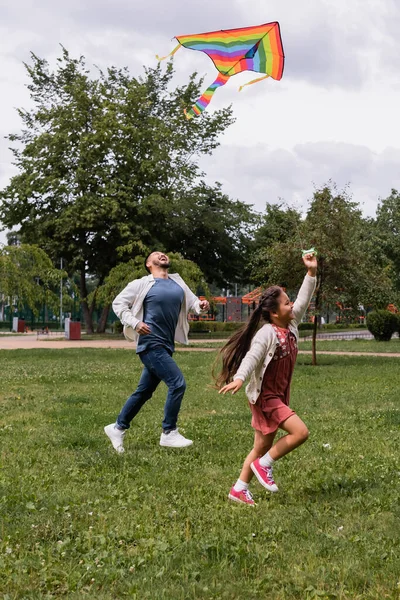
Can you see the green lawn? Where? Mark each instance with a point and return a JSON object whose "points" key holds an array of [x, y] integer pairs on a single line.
{"points": [[79, 521], [356, 345]]}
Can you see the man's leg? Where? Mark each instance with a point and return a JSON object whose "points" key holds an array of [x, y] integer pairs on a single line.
{"points": [[163, 366], [146, 387]]}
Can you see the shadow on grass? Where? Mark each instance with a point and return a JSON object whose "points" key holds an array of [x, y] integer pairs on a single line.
{"points": [[348, 488], [387, 417]]}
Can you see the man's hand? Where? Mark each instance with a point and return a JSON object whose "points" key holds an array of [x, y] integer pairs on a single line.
{"points": [[233, 386], [204, 304], [142, 328], [310, 261]]}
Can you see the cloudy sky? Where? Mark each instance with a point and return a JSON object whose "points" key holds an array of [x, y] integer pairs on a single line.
{"points": [[334, 115]]}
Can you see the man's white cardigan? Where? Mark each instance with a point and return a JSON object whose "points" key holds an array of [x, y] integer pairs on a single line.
{"points": [[128, 306], [264, 343]]}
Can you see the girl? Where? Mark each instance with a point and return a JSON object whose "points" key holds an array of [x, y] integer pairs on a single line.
{"points": [[269, 357]]}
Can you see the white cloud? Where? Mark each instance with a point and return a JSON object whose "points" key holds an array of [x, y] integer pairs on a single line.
{"points": [[261, 174], [334, 115]]}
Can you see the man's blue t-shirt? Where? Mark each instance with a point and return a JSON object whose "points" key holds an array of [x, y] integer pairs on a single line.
{"points": [[161, 308]]}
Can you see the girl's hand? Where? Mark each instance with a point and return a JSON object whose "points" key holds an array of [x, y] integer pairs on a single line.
{"points": [[233, 387], [310, 261]]}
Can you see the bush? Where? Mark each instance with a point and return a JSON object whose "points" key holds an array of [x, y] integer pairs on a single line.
{"points": [[382, 324], [211, 326], [53, 325], [306, 326], [330, 326], [117, 327]]}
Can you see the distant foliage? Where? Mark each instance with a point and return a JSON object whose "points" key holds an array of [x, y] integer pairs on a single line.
{"points": [[382, 324], [201, 326]]}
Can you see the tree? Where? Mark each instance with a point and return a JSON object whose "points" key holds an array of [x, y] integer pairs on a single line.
{"points": [[279, 225], [388, 233], [213, 231], [347, 271], [103, 162], [27, 274]]}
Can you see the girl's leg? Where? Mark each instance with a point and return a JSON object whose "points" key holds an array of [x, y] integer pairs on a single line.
{"points": [[240, 492], [262, 444], [297, 434]]}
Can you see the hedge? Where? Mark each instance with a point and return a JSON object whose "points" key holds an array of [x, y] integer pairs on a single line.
{"points": [[211, 326], [382, 324]]}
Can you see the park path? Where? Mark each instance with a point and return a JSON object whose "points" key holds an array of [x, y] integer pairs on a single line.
{"points": [[32, 342]]}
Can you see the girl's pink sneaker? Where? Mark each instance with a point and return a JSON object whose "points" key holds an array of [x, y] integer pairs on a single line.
{"points": [[244, 497], [264, 475]]}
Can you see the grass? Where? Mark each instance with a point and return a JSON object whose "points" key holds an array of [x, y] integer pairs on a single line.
{"points": [[80, 521], [356, 345]]}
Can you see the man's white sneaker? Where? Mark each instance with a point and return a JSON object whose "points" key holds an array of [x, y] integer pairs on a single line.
{"points": [[174, 439], [116, 437]]}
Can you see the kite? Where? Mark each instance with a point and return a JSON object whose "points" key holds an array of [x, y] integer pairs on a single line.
{"points": [[233, 51]]}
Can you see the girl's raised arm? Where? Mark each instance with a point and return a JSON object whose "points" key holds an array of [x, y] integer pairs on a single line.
{"points": [[307, 289]]}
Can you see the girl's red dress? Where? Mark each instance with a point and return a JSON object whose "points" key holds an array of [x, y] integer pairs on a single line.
{"points": [[272, 406]]}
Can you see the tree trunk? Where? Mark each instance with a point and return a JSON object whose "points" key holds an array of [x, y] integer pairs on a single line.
{"points": [[314, 341], [316, 317], [101, 325], [87, 312]]}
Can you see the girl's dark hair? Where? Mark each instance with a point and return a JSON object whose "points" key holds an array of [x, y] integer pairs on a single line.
{"points": [[238, 345]]}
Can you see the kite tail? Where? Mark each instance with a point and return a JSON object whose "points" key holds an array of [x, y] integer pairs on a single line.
{"points": [[168, 55], [205, 99], [253, 81]]}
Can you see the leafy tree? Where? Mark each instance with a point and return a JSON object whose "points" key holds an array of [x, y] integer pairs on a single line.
{"points": [[28, 275], [279, 226], [104, 162], [348, 273], [214, 232], [388, 233]]}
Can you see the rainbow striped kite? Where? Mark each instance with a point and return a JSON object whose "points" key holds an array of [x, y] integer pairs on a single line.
{"points": [[232, 51]]}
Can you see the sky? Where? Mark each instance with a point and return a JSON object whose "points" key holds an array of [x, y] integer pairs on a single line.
{"points": [[333, 116]]}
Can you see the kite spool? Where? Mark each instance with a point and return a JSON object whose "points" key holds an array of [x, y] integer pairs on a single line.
{"points": [[311, 251]]}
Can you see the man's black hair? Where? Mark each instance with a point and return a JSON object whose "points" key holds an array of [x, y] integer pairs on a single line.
{"points": [[146, 259]]}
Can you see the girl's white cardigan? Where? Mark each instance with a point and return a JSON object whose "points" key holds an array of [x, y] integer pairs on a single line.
{"points": [[264, 343]]}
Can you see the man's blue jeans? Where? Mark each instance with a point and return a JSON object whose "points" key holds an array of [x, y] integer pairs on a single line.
{"points": [[158, 366]]}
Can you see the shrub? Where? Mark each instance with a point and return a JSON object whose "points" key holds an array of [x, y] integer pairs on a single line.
{"points": [[382, 324], [306, 326], [397, 315], [117, 327], [202, 326]]}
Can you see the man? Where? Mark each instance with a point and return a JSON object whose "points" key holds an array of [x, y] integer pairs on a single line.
{"points": [[154, 310]]}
